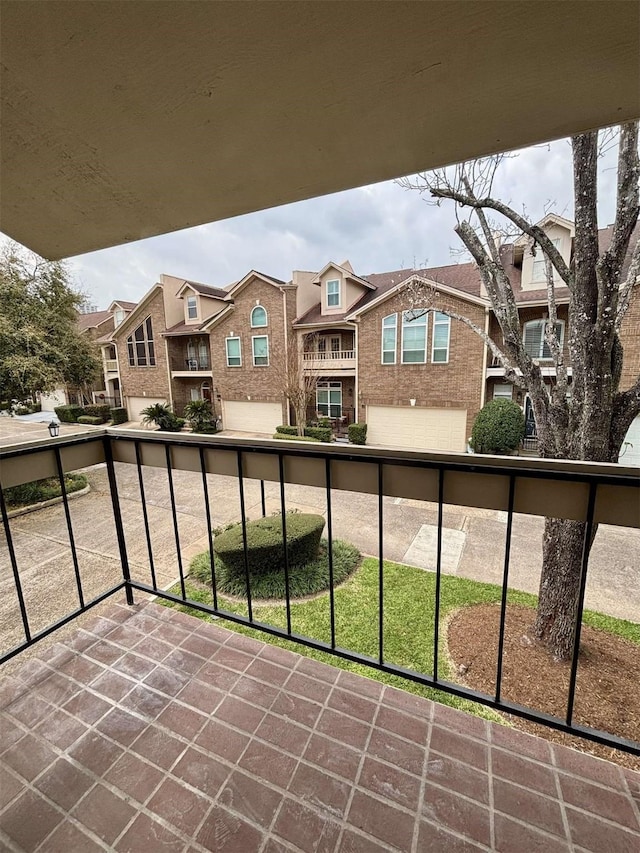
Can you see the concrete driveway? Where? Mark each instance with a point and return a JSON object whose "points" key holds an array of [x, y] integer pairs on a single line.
{"points": [[473, 541]]}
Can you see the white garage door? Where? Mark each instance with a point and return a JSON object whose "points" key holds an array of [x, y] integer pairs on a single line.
{"points": [[251, 417], [48, 402], [137, 404], [631, 454], [417, 428]]}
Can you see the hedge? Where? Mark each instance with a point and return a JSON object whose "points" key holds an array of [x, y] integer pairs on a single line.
{"points": [[42, 490], [358, 433], [119, 416], [90, 419], [287, 430], [319, 433], [287, 437], [101, 411], [498, 428], [68, 414], [265, 550]]}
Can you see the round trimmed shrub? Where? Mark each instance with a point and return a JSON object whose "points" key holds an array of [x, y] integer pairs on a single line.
{"points": [[498, 428], [265, 550]]}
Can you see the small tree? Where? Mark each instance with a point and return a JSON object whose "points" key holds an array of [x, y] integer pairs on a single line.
{"points": [[161, 415], [296, 379], [199, 416], [498, 428]]}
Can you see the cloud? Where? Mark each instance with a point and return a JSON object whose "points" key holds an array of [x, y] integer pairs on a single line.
{"points": [[378, 228]]}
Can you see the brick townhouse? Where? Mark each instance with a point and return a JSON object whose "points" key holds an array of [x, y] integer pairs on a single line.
{"points": [[415, 376]]}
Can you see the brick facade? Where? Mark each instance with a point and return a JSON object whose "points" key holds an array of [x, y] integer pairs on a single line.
{"points": [[455, 385], [630, 339], [261, 384], [145, 381]]}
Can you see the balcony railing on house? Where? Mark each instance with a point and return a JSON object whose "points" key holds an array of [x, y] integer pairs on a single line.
{"points": [[190, 364], [111, 365], [593, 494], [330, 360]]}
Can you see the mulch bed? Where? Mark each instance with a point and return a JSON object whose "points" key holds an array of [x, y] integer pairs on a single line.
{"points": [[607, 692]]}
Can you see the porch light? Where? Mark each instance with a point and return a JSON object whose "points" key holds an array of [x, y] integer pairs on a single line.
{"points": [[54, 429], [412, 401]]}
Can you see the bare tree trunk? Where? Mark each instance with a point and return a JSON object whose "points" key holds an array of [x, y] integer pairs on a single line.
{"points": [[562, 553]]}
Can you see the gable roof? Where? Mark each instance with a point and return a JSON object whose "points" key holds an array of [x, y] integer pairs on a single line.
{"points": [[347, 271], [126, 306], [137, 310], [204, 290], [244, 281], [93, 319]]}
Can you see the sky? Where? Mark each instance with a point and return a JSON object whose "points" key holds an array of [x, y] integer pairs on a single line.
{"points": [[378, 228]]}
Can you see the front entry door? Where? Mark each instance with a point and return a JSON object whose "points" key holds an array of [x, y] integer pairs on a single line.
{"points": [[530, 429]]}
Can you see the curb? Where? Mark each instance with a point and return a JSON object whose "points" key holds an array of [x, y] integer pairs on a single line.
{"points": [[51, 502]]}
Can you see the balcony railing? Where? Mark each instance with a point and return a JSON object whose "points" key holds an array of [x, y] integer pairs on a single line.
{"points": [[191, 364], [330, 360], [111, 365], [593, 494]]}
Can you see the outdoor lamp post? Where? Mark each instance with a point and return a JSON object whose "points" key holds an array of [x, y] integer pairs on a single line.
{"points": [[54, 429]]}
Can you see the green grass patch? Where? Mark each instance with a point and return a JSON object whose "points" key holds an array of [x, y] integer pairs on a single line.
{"points": [[37, 491], [409, 601], [305, 579]]}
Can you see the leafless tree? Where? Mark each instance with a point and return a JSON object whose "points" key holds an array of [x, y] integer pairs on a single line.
{"points": [[297, 380], [585, 416]]}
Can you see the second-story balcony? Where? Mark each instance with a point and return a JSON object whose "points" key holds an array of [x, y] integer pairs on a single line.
{"points": [[331, 360], [183, 364], [110, 365]]}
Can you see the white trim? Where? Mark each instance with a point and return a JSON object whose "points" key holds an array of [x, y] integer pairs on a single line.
{"points": [[435, 323], [188, 307], [212, 321], [133, 352], [339, 283], [226, 349], [253, 351], [395, 339], [329, 385], [266, 317], [345, 273], [242, 283], [426, 336]]}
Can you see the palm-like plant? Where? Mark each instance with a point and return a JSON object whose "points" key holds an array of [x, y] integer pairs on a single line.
{"points": [[199, 416], [161, 415]]}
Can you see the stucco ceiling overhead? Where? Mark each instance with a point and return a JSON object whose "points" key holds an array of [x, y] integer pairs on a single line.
{"points": [[123, 120]]}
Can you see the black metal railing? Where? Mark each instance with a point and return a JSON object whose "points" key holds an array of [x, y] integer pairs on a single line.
{"points": [[591, 494], [191, 363]]}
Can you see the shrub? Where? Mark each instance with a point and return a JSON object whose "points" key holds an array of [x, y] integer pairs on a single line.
{"points": [[101, 411], [68, 414], [287, 430], [199, 416], [319, 433], [161, 415], [119, 416], [304, 579], [90, 419], [265, 550], [288, 437], [498, 428], [358, 433], [205, 429], [42, 490], [22, 410]]}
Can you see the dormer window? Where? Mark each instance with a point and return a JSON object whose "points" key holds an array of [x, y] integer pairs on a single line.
{"points": [[333, 293], [539, 271], [534, 342], [118, 316], [258, 317], [192, 307]]}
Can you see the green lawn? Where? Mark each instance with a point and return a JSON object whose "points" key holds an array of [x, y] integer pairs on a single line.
{"points": [[408, 621], [42, 490]]}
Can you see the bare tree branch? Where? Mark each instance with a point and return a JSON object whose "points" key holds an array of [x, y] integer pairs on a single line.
{"points": [[626, 289]]}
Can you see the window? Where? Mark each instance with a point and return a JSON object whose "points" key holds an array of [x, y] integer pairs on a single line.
{"points": [[539, 271], [502, 391], [140, 346], [322, 344], [533, 337], [441, 332], [414, 336], [260, 345], [333, 293], [258, 317], [118, 316], [192, 307], [389, 337], [234, 359], [329, 399]]}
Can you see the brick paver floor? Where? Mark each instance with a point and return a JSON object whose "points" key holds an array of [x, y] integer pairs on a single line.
{"points": [[152, 731]]}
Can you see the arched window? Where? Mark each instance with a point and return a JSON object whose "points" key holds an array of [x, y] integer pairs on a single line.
{"points": [[258, 317], [140, 346]]}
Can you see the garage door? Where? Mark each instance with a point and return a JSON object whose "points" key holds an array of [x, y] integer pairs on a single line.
{"points": [[417, 428], [631, 455], [135, 405], [251, 417]]}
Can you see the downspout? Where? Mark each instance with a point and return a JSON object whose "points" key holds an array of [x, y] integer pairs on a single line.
{"points": [[166, 351], [356, 399], [485, 355], [287, 419]]}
